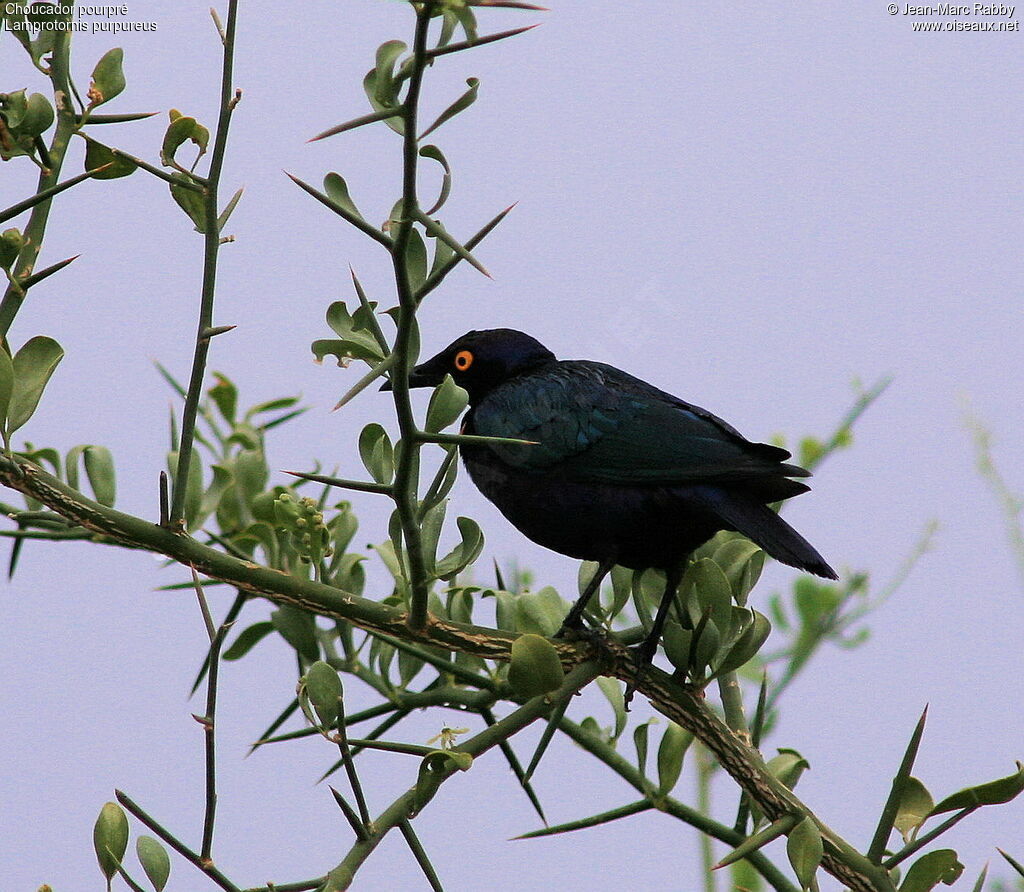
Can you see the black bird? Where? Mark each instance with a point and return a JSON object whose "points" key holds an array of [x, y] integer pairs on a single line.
{"points": [[621, 473]]}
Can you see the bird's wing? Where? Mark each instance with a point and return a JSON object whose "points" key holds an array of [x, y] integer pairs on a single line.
{"points": [[595, 423]]}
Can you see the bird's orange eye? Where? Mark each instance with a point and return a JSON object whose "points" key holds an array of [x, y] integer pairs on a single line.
{"points": [[463, 360]]}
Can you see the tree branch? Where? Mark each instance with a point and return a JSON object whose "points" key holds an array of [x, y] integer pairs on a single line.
{"points": [[681, 703]]}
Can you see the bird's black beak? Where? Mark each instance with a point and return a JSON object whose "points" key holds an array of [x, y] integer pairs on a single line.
{"points": [[426, 374]]}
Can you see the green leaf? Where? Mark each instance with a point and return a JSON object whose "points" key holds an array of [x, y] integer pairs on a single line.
{"points": [[182, 129], [385, 87], [540, 612], [677, 642], [674, 743], [814, 600], [225, 395], [465, 552], [110, 838], [191, 202], [705, 586], [99, 468], [323, 687], [44, 17], [38, 116], [298, 628], [433, 152], [107, 77], [787, 766], [155, 861], [6, 386], [805, 850], [940, 866], [447, 403], [356, 342], [993, 793], [416, 259], [640, 735], [17, 24], [612, 690], [915, 805], [741, 561], [747, 645], [535, 667], [436, 764], [336, 189], [459, 105], [11, 241], [98, 155], [377, 453], [247, 639], [33, 364]]}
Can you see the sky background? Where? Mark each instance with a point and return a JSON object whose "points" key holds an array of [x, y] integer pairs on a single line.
{"points": [[750, 207]]}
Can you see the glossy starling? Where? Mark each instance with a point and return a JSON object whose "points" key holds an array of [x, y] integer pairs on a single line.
{"points": [[621, 473]]}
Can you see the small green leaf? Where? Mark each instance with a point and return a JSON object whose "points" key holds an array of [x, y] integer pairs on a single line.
{"points": [[416, 259], [385, 86], [434, 765], [993, 793], [247, 639], [182, 129], [191, 202], [677, 642], [741, 561], [34, 363], [540, 612], [459, 105], [6, 385], [465, 552], [377, 453], [747, 645], [323, 687], [155, 861], [107, 77], [805, 850], [787, 766], [612, 690], [674, 743], [38, 116], [298, 628], [915, 806], [336, 189], [433, 152], [99, 468], [98, 155], [940, 866], [110, 838], [705, 586], [447, 403], [640, 734], [11, 241], [225, 395], [535, 667]]}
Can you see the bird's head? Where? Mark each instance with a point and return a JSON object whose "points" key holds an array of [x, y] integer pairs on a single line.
{"points": [[481, 360]]}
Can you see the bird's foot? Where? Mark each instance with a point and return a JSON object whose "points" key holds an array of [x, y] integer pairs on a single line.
{"points": [[644, 658], [596, 637]]}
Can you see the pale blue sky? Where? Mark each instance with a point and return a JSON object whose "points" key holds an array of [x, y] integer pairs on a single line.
{"points": [[748, 207]]}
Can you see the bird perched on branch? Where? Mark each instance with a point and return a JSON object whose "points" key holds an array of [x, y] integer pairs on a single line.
{"points": [[617, 471]]}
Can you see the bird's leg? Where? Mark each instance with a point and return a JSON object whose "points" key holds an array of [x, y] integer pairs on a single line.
{"points": [[573, 621], [649, 646]]}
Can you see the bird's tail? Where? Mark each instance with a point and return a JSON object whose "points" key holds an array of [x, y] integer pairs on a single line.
{"points": [[764, 527]]}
